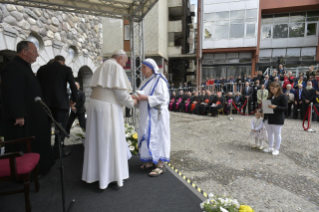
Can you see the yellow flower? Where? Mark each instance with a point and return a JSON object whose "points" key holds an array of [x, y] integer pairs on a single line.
{"points": [[135, 135], [245, 208]]}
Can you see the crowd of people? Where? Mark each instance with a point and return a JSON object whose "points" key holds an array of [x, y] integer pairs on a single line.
{"points": [[216, 94]]}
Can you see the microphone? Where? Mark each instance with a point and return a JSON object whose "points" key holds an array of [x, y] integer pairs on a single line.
{"points": [[39, 100]]}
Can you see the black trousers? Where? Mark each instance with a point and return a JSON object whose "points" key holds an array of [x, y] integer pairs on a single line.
{"points": [[249, 106], [61, 116], [288, 112], [296, 107], [80, 116], [304, 109]]}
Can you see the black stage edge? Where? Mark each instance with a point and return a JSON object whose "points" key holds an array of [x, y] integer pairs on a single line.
{"points": [[140, 193]]}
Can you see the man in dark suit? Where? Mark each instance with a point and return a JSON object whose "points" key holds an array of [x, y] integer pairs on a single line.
{"points": [[22, 116], [298, 101], [308, 95], [78, 110], [247, 93], [266, 82], [53, 79]]}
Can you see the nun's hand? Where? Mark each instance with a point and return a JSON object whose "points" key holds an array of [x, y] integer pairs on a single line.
{"points": [[142, 97]]}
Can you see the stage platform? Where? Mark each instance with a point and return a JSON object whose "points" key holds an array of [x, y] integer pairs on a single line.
{"points": [[140, 193]]}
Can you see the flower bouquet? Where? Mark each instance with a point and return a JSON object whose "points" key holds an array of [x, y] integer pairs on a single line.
{"points": [[131, 138], [223, 204]]}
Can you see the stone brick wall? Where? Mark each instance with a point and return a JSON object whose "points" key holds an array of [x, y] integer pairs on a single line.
{"points": [[83, 32]]}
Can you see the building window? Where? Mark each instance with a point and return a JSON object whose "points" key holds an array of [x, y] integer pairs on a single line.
{"points": [[238, 14], [250, 30], [296, 30], [127, 33], [208, 17], [237, 31], [266, 32], [311, 29], [281, 31], [251, 13], [220, 32], [35, 41], [221, 16]]}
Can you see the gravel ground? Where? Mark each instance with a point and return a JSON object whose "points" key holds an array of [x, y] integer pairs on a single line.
{"points": [[216, 154]]}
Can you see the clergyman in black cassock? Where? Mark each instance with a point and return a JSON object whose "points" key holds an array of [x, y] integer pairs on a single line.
{"points": [[218, 103], [207, 102], [22, 116], [53, 79], [79, 110]]}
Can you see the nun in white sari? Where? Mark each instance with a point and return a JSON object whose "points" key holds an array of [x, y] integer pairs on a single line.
{"points": [[154, 127], [106, 152]]}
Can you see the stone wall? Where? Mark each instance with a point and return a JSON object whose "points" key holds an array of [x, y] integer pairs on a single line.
{"points": [[82, 32]]}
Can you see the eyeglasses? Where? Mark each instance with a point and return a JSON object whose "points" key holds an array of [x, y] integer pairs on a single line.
{"points": [[35, 52]]}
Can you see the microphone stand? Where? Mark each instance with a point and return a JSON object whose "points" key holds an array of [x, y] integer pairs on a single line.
{"points": [[57, 129]]}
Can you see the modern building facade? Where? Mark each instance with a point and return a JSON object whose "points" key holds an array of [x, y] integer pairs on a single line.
{"points": [[169, 38], [239, 37]]}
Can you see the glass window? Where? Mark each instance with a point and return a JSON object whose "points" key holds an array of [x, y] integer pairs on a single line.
{"points": [[313, 13], [280, 31], [281, 18], [250, 30], [296, 30], [34, 40], [251, 13], [237, 31], [221, 23], [239, 14], [208, 17], [267, 19], [313, 19], [297, 17], [127, 32], [251, 20], [221, 16], [221, 32], [311, 29], [266, 32], [237, 21]]}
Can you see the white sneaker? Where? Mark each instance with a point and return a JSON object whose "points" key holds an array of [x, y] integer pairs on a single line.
{"points": [[270, 149], [261, 147], [276, 152]]}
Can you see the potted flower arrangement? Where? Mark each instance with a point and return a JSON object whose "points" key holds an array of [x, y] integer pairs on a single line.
{"points": [[131, 138], [223, 204], [1, 146]]}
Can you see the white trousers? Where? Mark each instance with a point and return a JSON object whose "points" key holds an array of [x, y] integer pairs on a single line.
{"points": [[258, 142], [273, 131]]}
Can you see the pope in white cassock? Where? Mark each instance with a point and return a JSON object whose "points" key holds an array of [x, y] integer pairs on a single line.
{"points": [[154, 127], [106, 152]]}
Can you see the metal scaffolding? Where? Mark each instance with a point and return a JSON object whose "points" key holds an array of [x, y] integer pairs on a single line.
{"points": [[132, 10]]}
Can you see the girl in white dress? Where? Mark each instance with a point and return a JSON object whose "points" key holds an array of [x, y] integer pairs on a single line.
{"points": [[258, 130]]}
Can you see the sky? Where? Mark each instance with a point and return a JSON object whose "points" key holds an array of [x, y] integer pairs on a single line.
{"points": [[195, 2]]}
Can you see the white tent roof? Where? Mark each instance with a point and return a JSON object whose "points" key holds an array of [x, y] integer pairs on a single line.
{"points": [[120, 9]]}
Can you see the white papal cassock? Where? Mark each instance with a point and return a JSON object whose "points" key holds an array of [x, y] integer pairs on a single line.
{"points": [[106, 152], [154, 128]]}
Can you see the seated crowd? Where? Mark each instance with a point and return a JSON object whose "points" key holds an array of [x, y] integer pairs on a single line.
{"points": [[217, 97]]}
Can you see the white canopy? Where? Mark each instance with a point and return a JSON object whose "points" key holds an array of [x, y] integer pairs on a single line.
{"points": [[120, 9]]}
